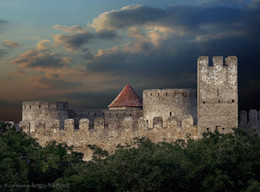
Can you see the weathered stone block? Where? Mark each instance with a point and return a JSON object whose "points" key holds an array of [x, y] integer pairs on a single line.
{"points": [[157, 122], [25, 126]]}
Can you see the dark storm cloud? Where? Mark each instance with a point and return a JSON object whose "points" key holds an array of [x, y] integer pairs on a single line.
{"points": [[126, 17], [189, 17], [203, 30], [74, 41], [35, 58], [59, 83]]}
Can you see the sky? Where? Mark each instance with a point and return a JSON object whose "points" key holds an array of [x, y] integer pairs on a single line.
{"points": [[85, 51]]}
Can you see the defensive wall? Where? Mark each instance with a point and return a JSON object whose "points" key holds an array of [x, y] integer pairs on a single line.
{"points": [[109, 138], [250, 120]]}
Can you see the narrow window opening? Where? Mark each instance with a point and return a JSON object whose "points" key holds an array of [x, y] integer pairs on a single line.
{"points": [[158, 94], [95, 114], [204, 102], [223, 129], [151, 94], [166, 94], [130, 114], [233, 100], [207, 129], [219, 101], [39, 106], [170, 113], [30, 106], [183, 93]]}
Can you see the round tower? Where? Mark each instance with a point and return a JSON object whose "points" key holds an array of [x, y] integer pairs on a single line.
{"points": [[169, 102], [45, 111]]}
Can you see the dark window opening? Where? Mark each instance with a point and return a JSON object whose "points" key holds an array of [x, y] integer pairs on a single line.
{"points": [[117, 114], [30, 106], [207, 129], [151, 94], [219, 101], [158, 94], [183, 93], [130, 114], [170, 113], [39, 106], [204, 102], [223, 129], [95, 114], [233, 100], [166, 94]]}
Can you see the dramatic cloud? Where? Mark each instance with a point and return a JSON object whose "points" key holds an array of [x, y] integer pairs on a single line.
{"points": [[128, 16], [74, 42], [10, 44], [74, 28], [43, 44], [37, 59]]}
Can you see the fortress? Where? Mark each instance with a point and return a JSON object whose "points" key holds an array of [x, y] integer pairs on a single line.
{"points": [[165, 115]]}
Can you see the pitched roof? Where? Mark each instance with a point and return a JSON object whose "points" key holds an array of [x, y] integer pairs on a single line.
{"points": [[126, 98]]}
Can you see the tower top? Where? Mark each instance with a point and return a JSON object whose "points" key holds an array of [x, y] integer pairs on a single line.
{"points": [[127, 98]]}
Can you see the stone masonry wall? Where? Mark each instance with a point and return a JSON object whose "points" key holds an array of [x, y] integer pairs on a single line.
{"points": [[169, 102], [217, 94], [250, 121], [109, 138], [34, 111]]}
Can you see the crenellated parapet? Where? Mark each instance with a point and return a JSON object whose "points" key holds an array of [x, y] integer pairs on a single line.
{"points": [[250, 120], [108, 138]]}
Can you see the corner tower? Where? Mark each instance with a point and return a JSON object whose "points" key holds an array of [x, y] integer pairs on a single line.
{"points": [[217, 94]]}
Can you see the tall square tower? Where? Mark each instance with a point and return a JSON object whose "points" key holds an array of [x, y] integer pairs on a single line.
{"points": [[217, 91]]}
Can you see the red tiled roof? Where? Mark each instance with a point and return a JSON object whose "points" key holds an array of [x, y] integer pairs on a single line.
{"points": [[127, 98]]}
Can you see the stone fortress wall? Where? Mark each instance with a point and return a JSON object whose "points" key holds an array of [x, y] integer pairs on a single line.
{"points": [[167, 114], [109, 138], [250, 120]]}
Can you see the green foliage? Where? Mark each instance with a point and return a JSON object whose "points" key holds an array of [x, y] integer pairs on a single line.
{"points": [[215, 162]]}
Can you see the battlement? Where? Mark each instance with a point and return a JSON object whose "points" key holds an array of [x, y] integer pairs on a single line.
{"points": [[251, 120], [156, 93], [230, 62], [34, 105], [100, 135]]}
